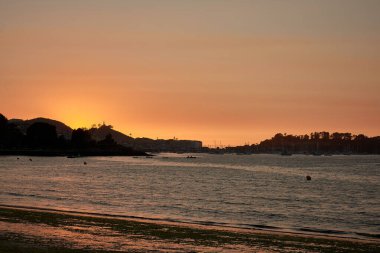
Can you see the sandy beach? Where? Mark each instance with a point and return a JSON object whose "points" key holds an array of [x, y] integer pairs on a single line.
{"points": [[41, 230]]}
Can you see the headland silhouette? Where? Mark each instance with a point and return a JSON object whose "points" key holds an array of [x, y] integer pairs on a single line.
{"points": [[49, 137]]}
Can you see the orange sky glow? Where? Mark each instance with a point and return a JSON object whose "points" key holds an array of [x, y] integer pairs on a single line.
{"points": [[229, 72]]}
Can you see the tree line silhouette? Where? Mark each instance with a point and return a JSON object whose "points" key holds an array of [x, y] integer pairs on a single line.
{"points": [[316, 143], [41, 139]]}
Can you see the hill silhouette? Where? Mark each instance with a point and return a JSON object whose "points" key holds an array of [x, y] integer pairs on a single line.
{"points": [[61, 128], [97, 133], [101, 133], [36, 133], [40, 137]]}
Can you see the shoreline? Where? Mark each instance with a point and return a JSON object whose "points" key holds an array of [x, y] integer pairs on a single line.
{"points": [[74, 154], [73, 231], [195, 224]]}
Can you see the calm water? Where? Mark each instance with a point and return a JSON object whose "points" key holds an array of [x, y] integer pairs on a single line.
{"points": [[255, 191]]}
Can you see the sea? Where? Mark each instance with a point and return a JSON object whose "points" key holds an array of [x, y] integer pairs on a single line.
{"points": [[259, 191]]}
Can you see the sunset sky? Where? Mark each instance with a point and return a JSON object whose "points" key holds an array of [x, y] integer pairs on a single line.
{"points": [[229, 72]]}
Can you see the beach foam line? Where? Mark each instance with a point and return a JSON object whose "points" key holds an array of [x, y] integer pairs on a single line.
{"points": [[249, 228]]}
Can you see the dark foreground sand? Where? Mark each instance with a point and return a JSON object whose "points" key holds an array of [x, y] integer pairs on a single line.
{"points": [[36, 230]]}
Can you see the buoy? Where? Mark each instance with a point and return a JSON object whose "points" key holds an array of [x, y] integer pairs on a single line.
{"points": [[308, 178]]}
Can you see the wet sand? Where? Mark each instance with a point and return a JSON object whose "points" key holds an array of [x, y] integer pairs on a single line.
{"points": [[40, 230]]}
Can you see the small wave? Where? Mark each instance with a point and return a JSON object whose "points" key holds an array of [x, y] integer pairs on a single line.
{"points": [[18, 194], [340, 233], [377, 236], [33, 196], [207, 223], [259, 226], [102, 203], [323, 231]]}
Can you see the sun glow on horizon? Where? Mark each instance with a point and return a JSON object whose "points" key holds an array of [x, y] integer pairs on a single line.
{"points": [[217, 71]]}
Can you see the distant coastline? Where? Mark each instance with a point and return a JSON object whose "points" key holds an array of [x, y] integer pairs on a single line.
{"points": [[317, 144], [47, 137]]}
